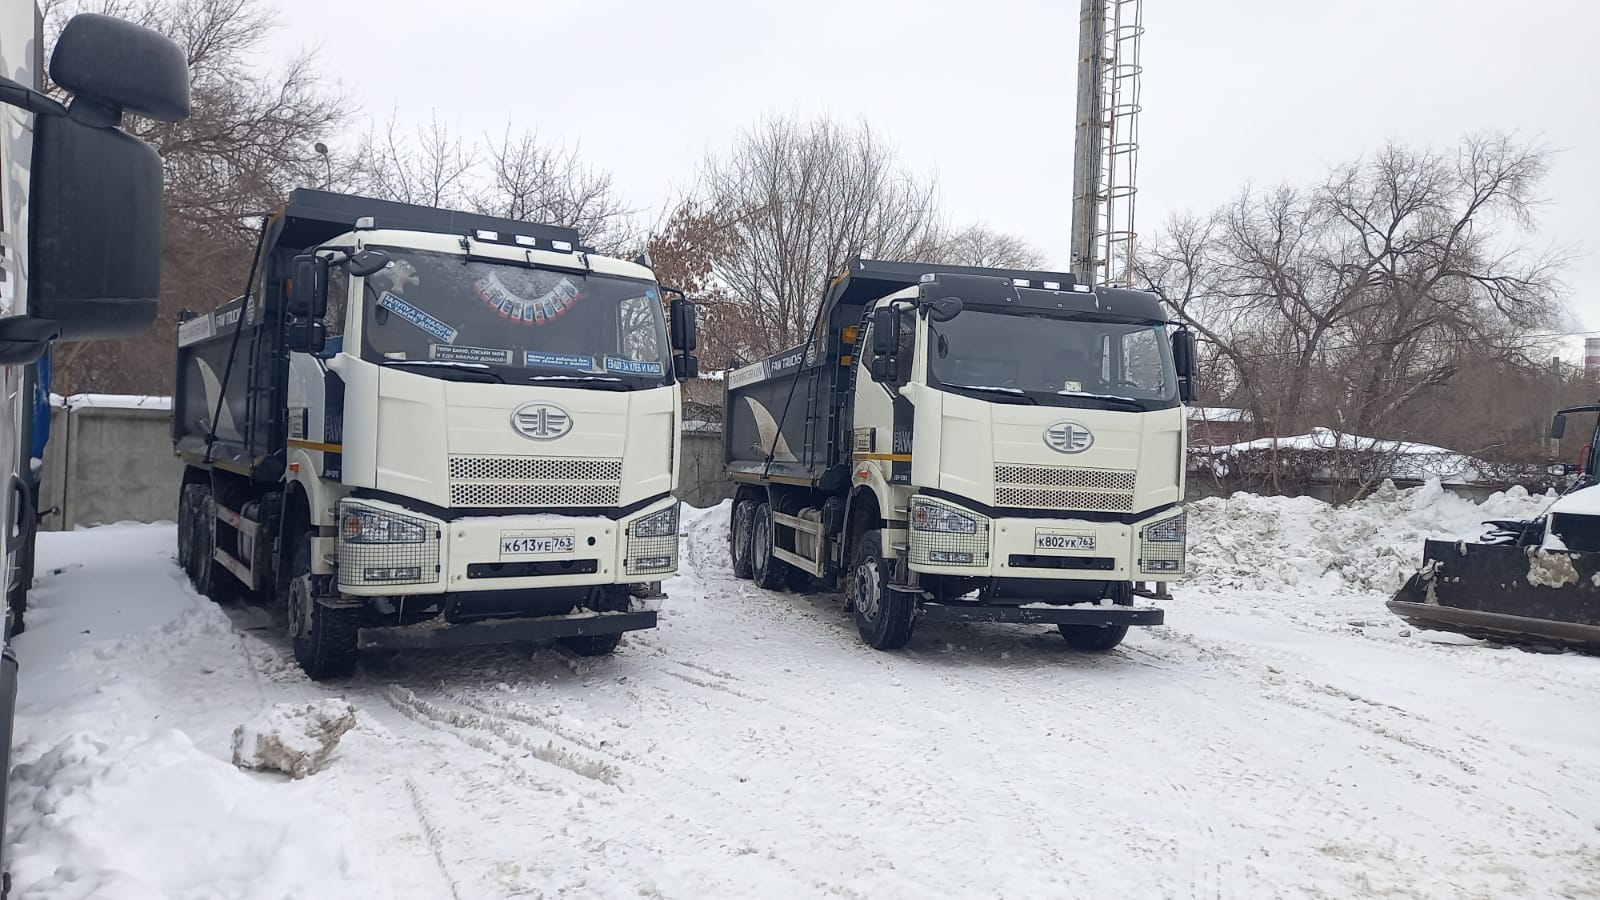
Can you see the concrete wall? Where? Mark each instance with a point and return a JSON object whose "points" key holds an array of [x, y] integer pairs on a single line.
{"points": [[107, 464]]}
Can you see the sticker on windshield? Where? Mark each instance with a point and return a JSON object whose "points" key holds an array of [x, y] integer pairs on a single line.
{"points": [[537, 311], [457, 353], [417, 317], [558, 361], [632, 366]]}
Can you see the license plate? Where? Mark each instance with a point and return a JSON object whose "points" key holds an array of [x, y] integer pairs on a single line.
{"points": [[534, 544], [1062, 540]]}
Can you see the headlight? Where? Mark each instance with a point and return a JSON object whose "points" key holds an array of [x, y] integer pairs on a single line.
{"points": [[659, 524], [1171, 531], [927, 517], [359, 525]]}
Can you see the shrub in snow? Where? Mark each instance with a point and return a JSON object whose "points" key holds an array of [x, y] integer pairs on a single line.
{"points": [[296, 739]]}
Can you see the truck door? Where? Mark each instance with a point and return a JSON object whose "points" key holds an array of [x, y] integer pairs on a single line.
{"points": [[881, 426]]}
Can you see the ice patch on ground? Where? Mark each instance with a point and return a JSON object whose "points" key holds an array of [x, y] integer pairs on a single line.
{"points": [[296, 739]]}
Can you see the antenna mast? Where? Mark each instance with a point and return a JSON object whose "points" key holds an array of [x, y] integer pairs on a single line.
{"points": [[1105, 160]]}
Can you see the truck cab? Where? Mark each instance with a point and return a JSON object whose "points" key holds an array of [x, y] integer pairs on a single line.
{"points": [[1003, 446]]}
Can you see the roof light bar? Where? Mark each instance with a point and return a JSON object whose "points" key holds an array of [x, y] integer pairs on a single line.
{"points": [[484, 235]]}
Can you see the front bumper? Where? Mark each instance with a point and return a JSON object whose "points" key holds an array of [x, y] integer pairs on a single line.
{"points": [[420, 554], [955, 540]]}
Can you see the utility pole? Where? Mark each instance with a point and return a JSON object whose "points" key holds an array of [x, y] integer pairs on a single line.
{"points": [[1106, 144]]}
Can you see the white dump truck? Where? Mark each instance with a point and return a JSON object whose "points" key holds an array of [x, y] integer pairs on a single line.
{"points": [[968, 444], [422, 427]]}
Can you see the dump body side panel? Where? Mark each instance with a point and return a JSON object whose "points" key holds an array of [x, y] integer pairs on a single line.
{"points": [[772, 410]]}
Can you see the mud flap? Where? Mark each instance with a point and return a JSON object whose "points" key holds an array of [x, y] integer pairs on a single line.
{"points": [[1506, 593]]}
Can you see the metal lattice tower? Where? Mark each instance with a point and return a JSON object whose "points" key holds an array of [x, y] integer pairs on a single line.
{"points": [[1105, 163]]}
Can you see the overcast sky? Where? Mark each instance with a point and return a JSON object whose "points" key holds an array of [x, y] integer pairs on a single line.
{"points": [[982, 93]]}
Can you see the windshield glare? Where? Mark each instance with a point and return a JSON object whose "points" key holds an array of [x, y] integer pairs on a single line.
{"points": [[524, 324], [1053, 359]]}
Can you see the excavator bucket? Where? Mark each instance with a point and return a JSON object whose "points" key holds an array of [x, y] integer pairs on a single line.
{"points": [[1505, 592]]}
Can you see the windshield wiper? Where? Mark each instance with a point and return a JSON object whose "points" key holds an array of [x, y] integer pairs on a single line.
{"points": [[478, 374], [1129, 402], [1015, 395], [599, 381]]}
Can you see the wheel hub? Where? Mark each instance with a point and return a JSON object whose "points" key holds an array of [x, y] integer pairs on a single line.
{"points": [[300, 606], [866, 593]]}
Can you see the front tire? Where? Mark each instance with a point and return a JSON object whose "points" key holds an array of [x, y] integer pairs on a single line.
{"points": [[741, 528], [1093, 638], [324, 637], [884, 617], [592, 644], [769, 572]]}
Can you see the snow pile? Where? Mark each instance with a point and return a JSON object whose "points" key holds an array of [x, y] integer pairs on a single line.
{"points": [[154, 816], [1301, 544], [1343, 456], [293, 738]]}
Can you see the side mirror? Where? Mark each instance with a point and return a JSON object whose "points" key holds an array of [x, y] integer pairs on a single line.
{"points": [[308, 292], [686, 367], [683, 324], [1558, 427], [308, 336], [368, 262], [94, 200], [883, 369], [1560, 469], [945, 308], [1183, 361], [885, 331]]}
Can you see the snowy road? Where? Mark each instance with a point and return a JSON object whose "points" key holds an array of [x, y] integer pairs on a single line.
{"points": [[1262, 743]]}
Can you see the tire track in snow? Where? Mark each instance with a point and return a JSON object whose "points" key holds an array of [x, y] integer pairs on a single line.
{"points": [[430, 834]]}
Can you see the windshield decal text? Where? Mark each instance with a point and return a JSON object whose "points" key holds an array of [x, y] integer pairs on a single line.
{"points": [[458, 353], [632, 366], [572, 361], [418, 318]]}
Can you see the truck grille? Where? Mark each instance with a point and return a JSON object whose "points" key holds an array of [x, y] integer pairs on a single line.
{"points": [[534, 481], [1056, 487]]}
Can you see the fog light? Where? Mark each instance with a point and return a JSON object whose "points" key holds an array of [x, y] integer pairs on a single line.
{"points": [[393, 573], [645, 563], [950, 557]]}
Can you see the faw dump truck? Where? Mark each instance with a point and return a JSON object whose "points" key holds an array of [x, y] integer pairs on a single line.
{"points": [[421, 427], [965, 444], [80, 237]]}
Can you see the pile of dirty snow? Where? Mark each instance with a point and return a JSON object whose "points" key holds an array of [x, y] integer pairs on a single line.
{"points": [[1304, 545], [293, 738]]}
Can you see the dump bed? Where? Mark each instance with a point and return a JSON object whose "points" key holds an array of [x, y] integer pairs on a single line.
{"points": [[786, 417]]}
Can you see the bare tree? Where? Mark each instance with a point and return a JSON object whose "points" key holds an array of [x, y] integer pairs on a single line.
{"points": [[535, 182], [799, 199], [980, 245], [1348, 303], [432, 167]]}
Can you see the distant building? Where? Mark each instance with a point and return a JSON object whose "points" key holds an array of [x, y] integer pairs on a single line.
{"points": [[1220, 426], [1591, 355]]}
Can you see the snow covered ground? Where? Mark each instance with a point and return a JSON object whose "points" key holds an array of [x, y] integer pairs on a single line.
{"points": [[1281, 736]]}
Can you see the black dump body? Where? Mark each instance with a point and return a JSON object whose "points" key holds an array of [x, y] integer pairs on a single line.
{"points": [[238, 352], [786, 418]]}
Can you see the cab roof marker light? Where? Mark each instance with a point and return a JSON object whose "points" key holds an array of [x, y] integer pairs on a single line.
{"points": [[483, 235], [526, 241], [365, 223], [928, 276], [1083, 288], [1019, 282], [563, 246], [1052, 285]]}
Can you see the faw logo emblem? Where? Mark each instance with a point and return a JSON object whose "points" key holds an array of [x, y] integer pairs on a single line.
{"points": [[1068, 437], [541, 421]]}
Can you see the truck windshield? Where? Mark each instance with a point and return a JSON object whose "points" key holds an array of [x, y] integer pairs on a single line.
{"points": [[1057, 360], [439, 314]]}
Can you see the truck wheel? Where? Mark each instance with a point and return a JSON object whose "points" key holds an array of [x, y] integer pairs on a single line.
{"points": [[1096, 638], [769, 572], [324, 637], [740, 528], [186, 529], [884, 617], [592, 644]]}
